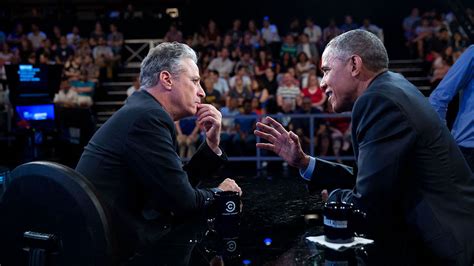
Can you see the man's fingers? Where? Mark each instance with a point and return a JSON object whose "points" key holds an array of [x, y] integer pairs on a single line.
{"points": [[294, 137], [208, 119], [267, 129], [265, 136], [266, 146], [276, 125]]}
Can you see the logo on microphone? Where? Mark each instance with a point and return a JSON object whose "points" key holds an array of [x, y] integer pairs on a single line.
{"points": [[229, 206]]}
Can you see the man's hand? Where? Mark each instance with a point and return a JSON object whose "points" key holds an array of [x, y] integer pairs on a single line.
{"points": [[209, 119], [285, 144], [230, 185]]}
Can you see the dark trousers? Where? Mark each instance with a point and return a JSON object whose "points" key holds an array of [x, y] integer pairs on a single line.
{"points": [[469, 155]]}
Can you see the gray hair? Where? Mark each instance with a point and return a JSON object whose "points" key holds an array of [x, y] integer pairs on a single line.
{"points": [[362, 43], [164, 57]]}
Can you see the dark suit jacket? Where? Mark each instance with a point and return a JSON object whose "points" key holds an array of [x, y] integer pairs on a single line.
{"points": [[133, 163], [411, 178]]}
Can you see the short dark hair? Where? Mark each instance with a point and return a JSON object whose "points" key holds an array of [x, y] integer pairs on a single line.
{"points": [[362, 43]]}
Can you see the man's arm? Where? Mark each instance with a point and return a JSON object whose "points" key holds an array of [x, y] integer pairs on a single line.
{"points": [[457, 78], [321, 174], [151, 156], [385, 141], [330, 175], [204, 164]]}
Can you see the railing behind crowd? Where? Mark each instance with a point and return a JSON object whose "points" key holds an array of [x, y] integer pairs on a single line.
{"points": [[259, 157], [138, 49]]}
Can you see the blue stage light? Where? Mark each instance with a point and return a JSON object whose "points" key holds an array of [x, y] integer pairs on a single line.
{"points": [[267, 241]]}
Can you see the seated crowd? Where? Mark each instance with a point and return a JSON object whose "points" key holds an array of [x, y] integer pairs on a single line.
{"points": [[246, 70]]}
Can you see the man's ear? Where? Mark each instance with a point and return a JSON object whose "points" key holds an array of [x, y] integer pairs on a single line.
{"points": [[356, 64], [164, 77]]}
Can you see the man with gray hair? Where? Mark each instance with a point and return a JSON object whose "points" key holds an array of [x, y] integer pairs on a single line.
{"points": [[132, 158], [410, 177]]}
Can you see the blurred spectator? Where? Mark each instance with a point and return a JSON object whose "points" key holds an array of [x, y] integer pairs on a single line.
{"points": [[131, 13], [294, 28], [269, 82], [15, 37], [260, 94], [56, 35], [263, 62], [246, 46], [229, 45], [84, 89], [45, 58], [286, 110], [308, 48], [66, 96], [441, 40], [459, 42], [222, 63], [288, 92], [286, 62], [211, 35], [47, 47], [187, 134], [239, 92], [366, 25], [227, 112], [303, 66], [212, 96], [410, 23], [72, 68], [92, 70], [220, 84], [74, 37], [254, 33], [25, 50], [424, 33], [228, 123], [135, 86], [313, 31], [269, 32], [348, 24], [247, 62], [288, 46], [314, 92], [32, 59], [63, 51], [301, 126], [173, 34], [115, 41], [257, 107], [104, 58], [330, 31], [236, 32], [244, 139], [84, 48], [36, 36], [240, 73], [96, 34], [6, 57]]}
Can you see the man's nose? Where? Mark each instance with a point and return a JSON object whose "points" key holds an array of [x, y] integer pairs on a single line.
{"points": [[201, 92], [323, 85]]}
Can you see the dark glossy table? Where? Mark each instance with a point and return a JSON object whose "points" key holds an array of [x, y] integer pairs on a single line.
{"points": [[273, 230]]}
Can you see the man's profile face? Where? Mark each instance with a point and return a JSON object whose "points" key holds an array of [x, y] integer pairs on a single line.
{"points": [[337, 82], [187, 88]]}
